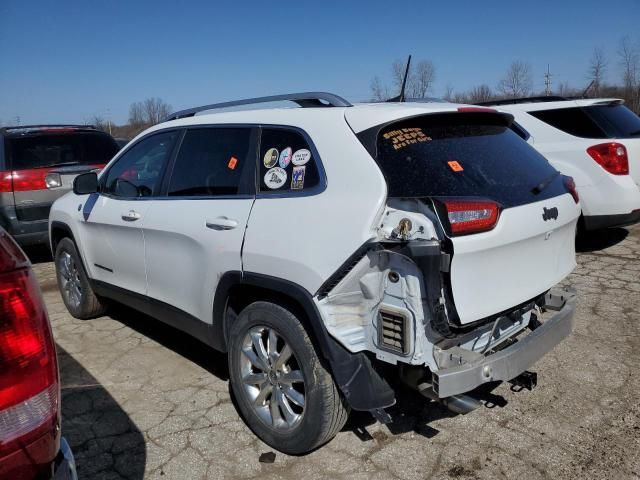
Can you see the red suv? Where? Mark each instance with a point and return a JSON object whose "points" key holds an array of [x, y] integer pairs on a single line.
{"points": [[31, 446]]}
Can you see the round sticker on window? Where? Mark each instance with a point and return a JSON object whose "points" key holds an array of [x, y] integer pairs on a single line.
{"points": [[300, 157], [270, 158], [275, 178], [285, 157]]}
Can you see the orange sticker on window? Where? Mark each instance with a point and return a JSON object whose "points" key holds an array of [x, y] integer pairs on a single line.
{"points": [[455, 166], [233, 161]]}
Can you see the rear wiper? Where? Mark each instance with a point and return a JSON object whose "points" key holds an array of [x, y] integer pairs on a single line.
{"points": [[544, 184]]}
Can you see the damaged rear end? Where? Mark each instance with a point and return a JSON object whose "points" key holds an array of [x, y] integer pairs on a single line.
{"points": [[459, 285]]}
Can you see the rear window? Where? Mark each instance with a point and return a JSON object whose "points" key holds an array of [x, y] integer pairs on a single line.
{"points": [[462, 155], [596, 121], [52, 150]]}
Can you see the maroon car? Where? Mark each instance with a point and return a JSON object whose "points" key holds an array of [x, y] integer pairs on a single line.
{"points": [[31, 446]]}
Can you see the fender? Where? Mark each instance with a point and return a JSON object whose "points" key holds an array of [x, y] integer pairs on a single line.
{"points": [[356, 375]]}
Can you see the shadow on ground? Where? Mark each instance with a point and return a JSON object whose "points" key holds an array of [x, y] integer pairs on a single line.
{"points": [[104, 440], [599, 239], [38, 254]]}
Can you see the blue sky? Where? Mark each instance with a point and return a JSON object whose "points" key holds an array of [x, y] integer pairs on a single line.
{"points": [[65, 61]]}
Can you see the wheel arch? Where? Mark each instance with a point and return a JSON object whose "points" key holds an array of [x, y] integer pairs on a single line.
{"points": [[57, 232], [355, 373]]}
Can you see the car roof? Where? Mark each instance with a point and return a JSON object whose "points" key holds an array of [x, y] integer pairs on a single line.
{"points": [[555, 104], [360, 116]]}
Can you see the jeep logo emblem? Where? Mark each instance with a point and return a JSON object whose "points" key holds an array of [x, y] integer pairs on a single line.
{"points": [[549, 213]]}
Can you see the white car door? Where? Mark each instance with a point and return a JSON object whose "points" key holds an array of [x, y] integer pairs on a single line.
{"points": [[111, 232], [195, 233]]}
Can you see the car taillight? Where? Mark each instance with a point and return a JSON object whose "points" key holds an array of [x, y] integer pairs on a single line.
{"points": [[471, 216], [29, 389], [477, 109], [611, 156], [24, 180], [570, 185]]}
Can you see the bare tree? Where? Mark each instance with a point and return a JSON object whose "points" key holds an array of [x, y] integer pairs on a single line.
{"points": [[155, 110], [481, 93], [448, 93], [379, 92], [100, 123], [136, 115], [518, 81], [630, 61], [422, 79], [597, 68]]}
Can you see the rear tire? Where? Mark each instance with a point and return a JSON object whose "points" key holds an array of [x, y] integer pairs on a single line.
{"points": [[293, 405], [73, 282]]}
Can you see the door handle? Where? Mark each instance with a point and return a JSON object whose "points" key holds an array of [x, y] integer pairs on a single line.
{"points": [[222, 223], [131, 216]]}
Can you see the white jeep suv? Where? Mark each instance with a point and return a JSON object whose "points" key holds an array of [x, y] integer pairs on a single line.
{"points": [[597, 142], [317, 244]]}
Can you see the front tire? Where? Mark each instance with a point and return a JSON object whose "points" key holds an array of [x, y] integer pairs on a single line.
{"points": [[73, 282], [284, 393]]}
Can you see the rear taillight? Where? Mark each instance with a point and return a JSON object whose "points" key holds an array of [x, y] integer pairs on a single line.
{"points": [[23, 180], [611, 156], [570, 185], [471, 216], [29, 390]]}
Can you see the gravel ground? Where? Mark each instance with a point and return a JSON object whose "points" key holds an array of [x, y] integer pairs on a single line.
{"points": [[141, 400]]}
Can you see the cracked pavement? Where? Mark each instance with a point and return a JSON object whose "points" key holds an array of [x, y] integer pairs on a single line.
{"points": [[141, 400]]}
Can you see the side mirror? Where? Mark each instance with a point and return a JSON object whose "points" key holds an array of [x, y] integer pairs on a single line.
{"points": [[85, 183]]}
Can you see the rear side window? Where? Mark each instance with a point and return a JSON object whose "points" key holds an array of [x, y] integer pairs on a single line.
{"points": [[211, 162], [286, 162], [462, 155], [596, 121], [138, 172], [53, 150]]}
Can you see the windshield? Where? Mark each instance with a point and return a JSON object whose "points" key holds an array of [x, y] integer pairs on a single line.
{"points": [[50, 150], [463, 155]]}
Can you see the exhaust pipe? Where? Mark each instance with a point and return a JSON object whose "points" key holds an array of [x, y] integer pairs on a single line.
{"points": [[461, 404]]}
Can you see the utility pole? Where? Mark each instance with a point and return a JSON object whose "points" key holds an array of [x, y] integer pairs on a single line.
{"points": [[547, 82], [17, 118]]}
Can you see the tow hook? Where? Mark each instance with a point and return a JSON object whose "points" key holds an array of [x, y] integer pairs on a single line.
{"points": [[526, 380]]}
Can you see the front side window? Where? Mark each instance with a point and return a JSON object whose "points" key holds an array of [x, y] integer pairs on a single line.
{"points": [[286, 161], [211, 162], [138, 172]]}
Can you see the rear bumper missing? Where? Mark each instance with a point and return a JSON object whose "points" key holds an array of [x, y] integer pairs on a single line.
{"points": [[510, 362]]}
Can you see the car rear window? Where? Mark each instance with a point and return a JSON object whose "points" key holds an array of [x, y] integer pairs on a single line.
{"points": [[462, 155], [61, 149], [595, 121]]}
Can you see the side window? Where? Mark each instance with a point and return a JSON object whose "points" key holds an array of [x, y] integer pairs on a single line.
{"points": [[286, 162], [573, 121], [211, 161], [137, 172]]}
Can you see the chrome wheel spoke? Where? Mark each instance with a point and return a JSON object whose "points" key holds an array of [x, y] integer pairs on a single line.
{"points": [[293, 395], [294, 376], [265, 390], [258, 346], [272, 346], [253, 358], [289, 415], [276, 416], [284, 356], [255, 379]]}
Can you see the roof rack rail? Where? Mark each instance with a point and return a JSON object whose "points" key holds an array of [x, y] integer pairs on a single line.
{"points": [[511, 101], [303, 99]]}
